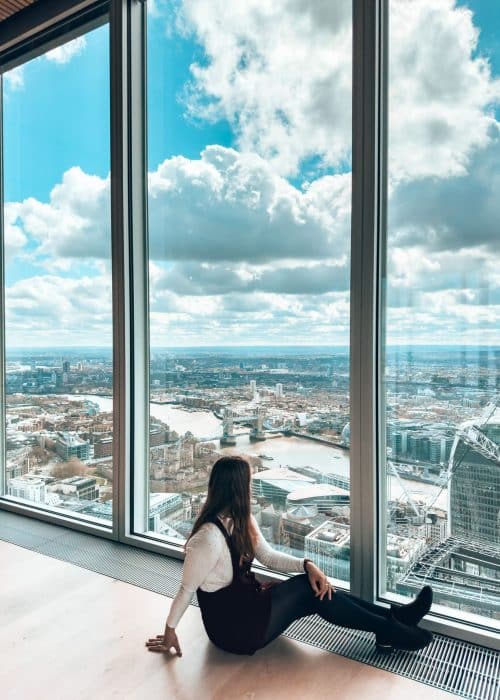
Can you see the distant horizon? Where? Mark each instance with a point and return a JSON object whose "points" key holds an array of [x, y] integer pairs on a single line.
{"points": [[290, 346]]}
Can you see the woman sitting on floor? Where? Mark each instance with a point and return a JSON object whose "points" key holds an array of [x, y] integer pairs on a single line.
{"points": [[241, 614]]}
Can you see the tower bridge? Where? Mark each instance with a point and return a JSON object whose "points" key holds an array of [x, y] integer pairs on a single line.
{"points": [[256, 419]]}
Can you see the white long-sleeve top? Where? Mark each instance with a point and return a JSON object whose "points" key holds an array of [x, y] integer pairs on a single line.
{"points": [[207, 564]]}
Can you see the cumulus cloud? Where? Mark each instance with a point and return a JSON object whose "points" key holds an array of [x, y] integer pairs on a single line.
{"points": [[224, 206], [75, 223], [232, 206], [441, 91], [198, 279], [238, 252], [280, 74], [64, 54], [53, 309], [14, 238], [14, 78], [452, 213], [443, 318], [260, 317]]}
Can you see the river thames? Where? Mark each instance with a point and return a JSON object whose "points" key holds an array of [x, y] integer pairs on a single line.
{"points": [[283, 451]]}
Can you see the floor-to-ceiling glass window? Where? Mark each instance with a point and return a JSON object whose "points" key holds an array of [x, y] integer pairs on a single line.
{"points": [[441, 420], [57, 245], [249, 169]]}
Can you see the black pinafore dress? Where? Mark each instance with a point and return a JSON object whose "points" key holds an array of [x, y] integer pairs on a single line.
{"points": [[236, 616]]}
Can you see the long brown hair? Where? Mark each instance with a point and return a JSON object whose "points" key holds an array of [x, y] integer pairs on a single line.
{"points": [[229, 493]]}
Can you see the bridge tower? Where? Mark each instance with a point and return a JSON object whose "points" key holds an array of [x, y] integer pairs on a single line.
{"points": [[257, 433], [228, 437]]}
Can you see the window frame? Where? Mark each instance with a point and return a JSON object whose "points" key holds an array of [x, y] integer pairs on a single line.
{"points": [[128, 124]]}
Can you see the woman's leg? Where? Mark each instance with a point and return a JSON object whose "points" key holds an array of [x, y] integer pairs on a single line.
{"points": [[295, 598]]}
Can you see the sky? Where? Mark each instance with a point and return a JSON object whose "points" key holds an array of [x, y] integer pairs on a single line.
{"points": [[249, 178]]}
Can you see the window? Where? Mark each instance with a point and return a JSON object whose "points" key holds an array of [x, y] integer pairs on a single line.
{"points": [[242, 344], [442, 479], [249, 229], [58, 320]]}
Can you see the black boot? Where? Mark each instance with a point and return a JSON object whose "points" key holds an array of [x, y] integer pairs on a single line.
{"points": [[400, 636], [413, 612]]}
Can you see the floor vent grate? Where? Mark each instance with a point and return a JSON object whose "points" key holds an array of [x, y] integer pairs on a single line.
{"points": [[461, 668]]}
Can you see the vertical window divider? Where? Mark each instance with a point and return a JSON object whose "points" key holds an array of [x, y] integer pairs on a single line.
{"points": [[365, 220], [2, 307], [130, 279]]}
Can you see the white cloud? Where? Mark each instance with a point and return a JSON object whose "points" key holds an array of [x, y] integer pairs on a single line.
{"points": [[63, 54], [441, 91], [75, 223], [15, 238], [224, 206], [53, 309], [280, 73], [231, 206], [14, 78], [280, 277], [258, 318]]}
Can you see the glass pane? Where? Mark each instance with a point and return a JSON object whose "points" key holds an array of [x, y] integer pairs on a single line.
{"points": [[58, 320], [249, 234], [442, 338]]}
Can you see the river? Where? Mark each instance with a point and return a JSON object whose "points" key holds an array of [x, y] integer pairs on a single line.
{"points": [[285, 451]]}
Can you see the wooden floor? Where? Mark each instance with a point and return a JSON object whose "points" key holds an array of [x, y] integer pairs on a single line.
{"points": [[68, 633]]}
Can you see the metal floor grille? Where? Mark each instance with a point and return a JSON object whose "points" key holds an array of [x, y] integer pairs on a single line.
{"points": [[458, 667]]}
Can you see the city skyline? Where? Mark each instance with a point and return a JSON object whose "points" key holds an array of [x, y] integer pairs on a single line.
{"points": [[289, 415]]}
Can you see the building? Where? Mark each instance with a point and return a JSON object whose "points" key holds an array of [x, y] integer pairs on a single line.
{"points": [[81, 488], [298, 522], [253, 388], [29, 487], [165, 506], [474, 494], [103, 447], [464, 567], [328, 545], [69, 446], [323, 496], [158, 435], [276, 484]]}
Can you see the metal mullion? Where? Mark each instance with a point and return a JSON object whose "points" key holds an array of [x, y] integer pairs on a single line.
{"points": [[139, 475], [3, 456], [381, 285], [128, 207], [363, 337], [119, 258]]}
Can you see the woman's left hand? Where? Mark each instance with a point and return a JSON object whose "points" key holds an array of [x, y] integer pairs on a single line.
{"points": [[319, 582]]}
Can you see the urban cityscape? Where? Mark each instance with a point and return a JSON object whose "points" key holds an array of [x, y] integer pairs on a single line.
{"points": [[287, 410]]}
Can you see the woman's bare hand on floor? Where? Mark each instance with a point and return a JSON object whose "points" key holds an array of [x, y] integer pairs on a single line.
{"points": [[164, 642]]}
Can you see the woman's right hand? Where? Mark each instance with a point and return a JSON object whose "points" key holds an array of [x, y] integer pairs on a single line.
{"points": [[164, 642], [319, 581]]}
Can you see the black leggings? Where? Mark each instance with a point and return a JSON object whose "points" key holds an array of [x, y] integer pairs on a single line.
{"points": [[295, 598]]}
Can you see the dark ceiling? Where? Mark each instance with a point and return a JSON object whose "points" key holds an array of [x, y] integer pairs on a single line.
{"points": [[10, 7]]}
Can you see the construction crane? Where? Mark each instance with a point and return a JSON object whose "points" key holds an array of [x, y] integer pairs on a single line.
{"points": [[471, 435]]}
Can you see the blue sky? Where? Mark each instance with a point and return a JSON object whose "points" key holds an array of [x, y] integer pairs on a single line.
{"points": [[57, 118]]}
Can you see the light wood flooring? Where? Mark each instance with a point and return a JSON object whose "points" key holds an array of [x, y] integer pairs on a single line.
{"points": [[68, 633]]}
